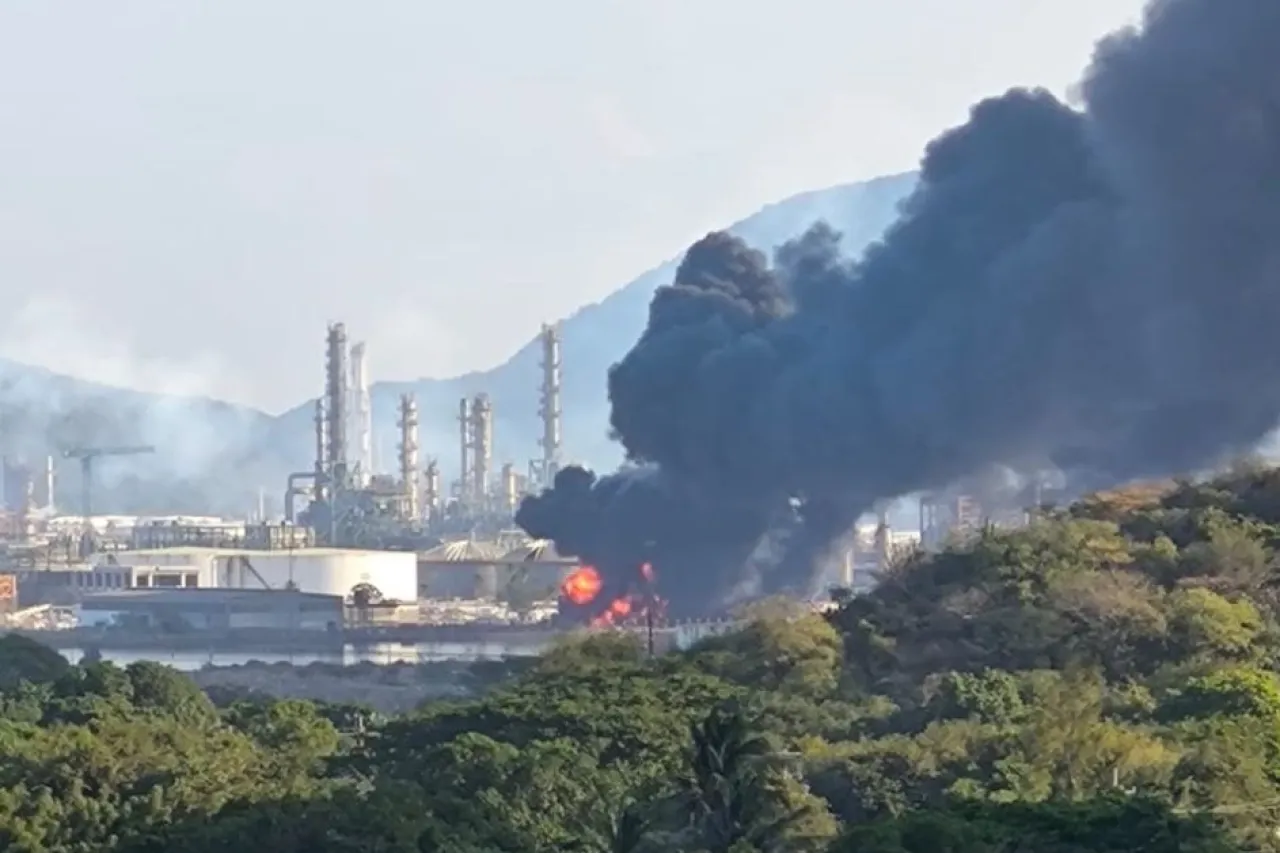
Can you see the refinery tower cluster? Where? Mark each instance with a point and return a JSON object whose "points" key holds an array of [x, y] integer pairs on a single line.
{"points": [[348, 502]]}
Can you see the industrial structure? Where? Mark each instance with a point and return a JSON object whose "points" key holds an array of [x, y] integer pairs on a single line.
{"points": [[542, 471], [361, 409], [348, 503], [360, 530], [208, 610], [30, 497]]}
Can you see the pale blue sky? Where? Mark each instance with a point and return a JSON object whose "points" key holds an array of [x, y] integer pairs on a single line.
{"points": [[190, 190]]}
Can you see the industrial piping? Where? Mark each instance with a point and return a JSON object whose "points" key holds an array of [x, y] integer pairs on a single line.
{"points": [[294, 491]]}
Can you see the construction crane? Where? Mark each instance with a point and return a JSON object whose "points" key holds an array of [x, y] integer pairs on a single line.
{"points": [[86, 455]]}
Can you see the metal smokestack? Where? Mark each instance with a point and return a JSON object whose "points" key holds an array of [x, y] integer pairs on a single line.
{"points": [[49, 483], [481, 446], [464, 471], [510, 487], [336, 391], [431, 489], [549, 402], [409, 456], [361, 414]]}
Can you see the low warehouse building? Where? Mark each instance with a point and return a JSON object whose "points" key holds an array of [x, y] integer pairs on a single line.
{"points": [[185, 610]]}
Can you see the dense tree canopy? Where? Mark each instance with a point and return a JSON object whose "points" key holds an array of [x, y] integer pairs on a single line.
{"points": [[1103, 679]]}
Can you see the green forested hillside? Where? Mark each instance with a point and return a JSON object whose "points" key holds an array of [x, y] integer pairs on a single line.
{"points": [[1102, 680]]}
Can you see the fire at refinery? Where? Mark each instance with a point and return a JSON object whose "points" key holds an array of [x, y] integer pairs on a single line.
{"points": [[639, 602], [582, 586]]}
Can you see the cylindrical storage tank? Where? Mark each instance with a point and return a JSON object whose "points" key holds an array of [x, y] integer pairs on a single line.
{"points": [[329, 571], [197, 558]]}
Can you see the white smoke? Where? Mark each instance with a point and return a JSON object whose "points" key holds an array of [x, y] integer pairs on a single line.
{"points": [[44, 413]]}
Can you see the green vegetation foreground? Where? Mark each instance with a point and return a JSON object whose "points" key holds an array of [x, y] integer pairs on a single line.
{"points": [[1102, 680]]}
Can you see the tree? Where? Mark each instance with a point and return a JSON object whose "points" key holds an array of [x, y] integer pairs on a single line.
{"points": [[22, 659], [1237, 691], [737, 796], [298, 738], [1099, 826], [800, 654], [164, 690]]}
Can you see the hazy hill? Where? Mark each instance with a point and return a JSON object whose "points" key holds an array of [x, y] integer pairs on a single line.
{"points": [[201, 444], [213, 456]]}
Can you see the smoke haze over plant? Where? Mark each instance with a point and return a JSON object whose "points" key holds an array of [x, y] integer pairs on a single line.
{"points": [[201, 445], [1089, 289]]}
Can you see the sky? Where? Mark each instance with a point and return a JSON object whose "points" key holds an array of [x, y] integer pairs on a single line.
{"points": [[190, 191]]}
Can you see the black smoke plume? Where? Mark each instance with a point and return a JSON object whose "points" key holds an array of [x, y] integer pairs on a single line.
{"points": [[1095, 287]]}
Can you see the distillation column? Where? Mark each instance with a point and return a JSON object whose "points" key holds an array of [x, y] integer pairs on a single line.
{"points": [[336, 396], [510, 488], [431, 490], [361, 415], [464, 463], [549, 410], [481, 448], [409, 457]]}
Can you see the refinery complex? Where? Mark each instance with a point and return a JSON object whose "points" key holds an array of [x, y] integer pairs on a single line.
{"points": [[355, 549], [346, 504]]}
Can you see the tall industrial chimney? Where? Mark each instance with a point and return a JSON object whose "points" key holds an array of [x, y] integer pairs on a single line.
{"points": [[49, 484], [409, 456], [510, 487], [481, 446], [464, 471], [361, 414], [336, 394], [431, 489], [549, 402]]}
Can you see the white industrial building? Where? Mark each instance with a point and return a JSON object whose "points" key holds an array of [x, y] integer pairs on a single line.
{"points": [[325, 571]]}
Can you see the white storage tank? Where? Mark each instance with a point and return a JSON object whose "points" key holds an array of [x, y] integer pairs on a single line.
{"points": [[197, 558], [329, 571]]}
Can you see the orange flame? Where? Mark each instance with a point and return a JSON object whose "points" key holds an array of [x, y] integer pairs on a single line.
{"points": [[619, 609], [582, 585], [633, 606]]}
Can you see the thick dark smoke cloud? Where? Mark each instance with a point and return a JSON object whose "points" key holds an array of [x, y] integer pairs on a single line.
{"points": [[1097, 288]]}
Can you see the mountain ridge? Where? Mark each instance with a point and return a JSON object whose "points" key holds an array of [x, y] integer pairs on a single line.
{"points": [[213, 455]]}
